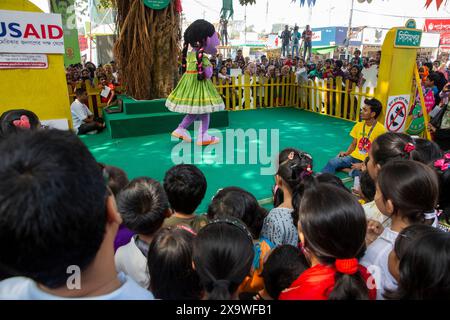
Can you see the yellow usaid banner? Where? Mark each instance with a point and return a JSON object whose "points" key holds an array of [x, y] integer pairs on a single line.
{"points": [[408, 38]]}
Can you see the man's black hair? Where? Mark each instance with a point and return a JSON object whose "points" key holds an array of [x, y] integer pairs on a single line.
{"points": [[185, 186], [375, 106], [52, 205]]}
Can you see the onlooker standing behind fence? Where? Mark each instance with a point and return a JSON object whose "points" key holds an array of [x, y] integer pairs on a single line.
{"points": [[307, 42], [286, 39]]}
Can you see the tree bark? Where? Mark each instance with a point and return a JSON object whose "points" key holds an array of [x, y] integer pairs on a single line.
{"points": [[147, 48]]}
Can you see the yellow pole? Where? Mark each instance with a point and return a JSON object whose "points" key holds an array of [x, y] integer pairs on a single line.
{"points": [[426, 118]]}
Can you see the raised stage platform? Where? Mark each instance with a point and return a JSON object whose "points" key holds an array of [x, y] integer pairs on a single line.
{"points": [[148, 117], [151, 155]]}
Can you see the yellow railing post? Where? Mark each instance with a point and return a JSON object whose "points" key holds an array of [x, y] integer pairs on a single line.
{"points": [[233, 92], [346, 100], [331, 107], [254, 90], [247, 92], [338, 96], [239, 86]]}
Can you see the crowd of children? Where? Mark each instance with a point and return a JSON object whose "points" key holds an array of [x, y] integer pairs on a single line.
{"points": [[82, 230]]}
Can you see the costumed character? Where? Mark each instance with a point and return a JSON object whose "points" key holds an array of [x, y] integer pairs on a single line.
{"points": [[195, 94]]}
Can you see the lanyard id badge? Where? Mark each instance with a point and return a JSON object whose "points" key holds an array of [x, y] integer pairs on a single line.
{"points": [[364, 143]]}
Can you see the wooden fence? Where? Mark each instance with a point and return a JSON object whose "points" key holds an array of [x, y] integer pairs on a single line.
{"points": [[334, 98]]}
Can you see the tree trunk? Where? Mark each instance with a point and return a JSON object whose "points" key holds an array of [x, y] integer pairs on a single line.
{"points": [[147, 48]]}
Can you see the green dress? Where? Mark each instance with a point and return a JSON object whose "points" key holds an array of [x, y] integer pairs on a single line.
{"points": [[193, 96]]}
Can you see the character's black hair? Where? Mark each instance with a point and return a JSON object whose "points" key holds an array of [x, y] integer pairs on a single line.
{"points": [[196, 35]]}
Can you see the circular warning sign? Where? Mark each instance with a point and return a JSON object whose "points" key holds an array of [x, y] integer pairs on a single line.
{"points": [[397, 113]]}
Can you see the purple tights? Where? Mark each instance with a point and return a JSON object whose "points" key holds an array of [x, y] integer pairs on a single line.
{"points": [[189, 118]]}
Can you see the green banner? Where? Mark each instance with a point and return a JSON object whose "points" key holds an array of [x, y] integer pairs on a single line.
{"points": [[408, 38], [72, 48], [157, 4]]}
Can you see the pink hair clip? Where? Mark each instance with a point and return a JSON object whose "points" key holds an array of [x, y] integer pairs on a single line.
{"points": [[442, 164], [409, 147], [23, 122]]}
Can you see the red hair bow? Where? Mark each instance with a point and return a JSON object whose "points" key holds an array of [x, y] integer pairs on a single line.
{"points": [[444, 163], [178, 7], [409, 147], [347, 266], [23, 122]]}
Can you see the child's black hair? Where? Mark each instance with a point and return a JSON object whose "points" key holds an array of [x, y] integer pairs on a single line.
{"points": [[424, 265], [442, 167], [293, 170], [427, 151], [52, 205], [332, 179], [80, 91], [116, 177], [283, 266], [170, 266], [412, 187], [223, 256], [185, 186], [429, 65], [407, 236], [338, 63], [282, 157], [9, 119], [433, 77], [196, 35], [327, 213], [143, 205], [238, 203], [368, 187], [392, 146]]}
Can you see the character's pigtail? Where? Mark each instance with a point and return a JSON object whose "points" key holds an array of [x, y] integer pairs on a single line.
{"points": [[183, 59], [200, 69]]}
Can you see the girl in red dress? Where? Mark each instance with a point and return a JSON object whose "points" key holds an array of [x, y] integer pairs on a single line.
{"points": [[332, 228]]}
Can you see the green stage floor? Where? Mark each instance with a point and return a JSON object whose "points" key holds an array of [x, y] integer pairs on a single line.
{"points": [[323, 137]]}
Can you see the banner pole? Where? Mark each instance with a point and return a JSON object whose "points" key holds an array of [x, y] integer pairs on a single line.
{"points": [[426, 118]]}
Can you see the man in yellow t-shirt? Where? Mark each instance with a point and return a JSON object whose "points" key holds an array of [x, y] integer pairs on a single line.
{"points": [[363, 134]]}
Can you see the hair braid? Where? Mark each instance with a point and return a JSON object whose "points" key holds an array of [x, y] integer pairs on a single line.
{"points": [[201, 74], [183, 59]]}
